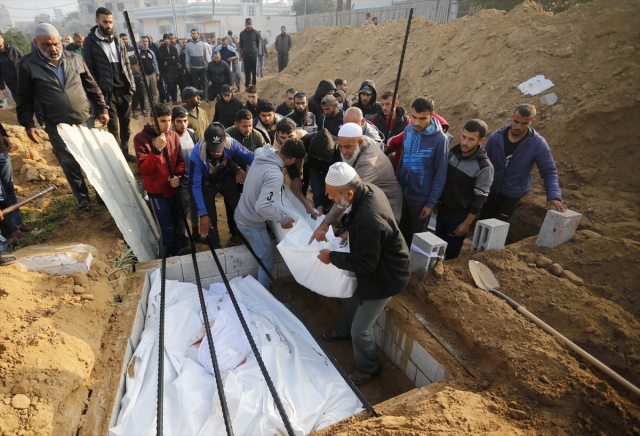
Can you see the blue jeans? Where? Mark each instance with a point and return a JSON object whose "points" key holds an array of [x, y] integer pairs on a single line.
{"points": [[3, 241], [260, 66], [261, 244], [6, 179]]}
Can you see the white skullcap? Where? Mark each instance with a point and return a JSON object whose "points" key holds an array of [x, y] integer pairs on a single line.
{"points": [[45, 29], [340, 174], [350, 130]]}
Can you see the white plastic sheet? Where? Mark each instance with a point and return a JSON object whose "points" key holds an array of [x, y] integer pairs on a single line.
{"points": [[306, 268], [287, 203], [312, 391]]}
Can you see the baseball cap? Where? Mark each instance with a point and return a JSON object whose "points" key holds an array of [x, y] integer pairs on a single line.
{"points": [[328, 100], [230, 32], [367, 89], [225, 90], [266, 105], [190, 91], [248, 20], [215, 137]]}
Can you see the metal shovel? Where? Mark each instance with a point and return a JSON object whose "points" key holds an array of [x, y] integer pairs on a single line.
{"points": [[485, 279]]}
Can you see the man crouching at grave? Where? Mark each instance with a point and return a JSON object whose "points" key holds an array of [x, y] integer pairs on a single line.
{"points": [[213, 171], [378, 256], [151, 157]]}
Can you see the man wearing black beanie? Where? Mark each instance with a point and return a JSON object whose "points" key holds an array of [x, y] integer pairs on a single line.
{"points": [[266, 121]]}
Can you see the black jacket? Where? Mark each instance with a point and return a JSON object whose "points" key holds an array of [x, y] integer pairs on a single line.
{"points": [[381, 124], [248, 43], [99, 64], [226, 112], [219, 74], [314, 102], [322, 152], [251, 108], [375, 106], [332, 124], [169, 55], [283, 109], [468, 182], [378, 254], [69, 105], [9, 66]]}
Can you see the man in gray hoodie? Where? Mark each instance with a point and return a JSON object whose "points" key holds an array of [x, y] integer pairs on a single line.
{"points": [[264, 183], [196, 55]]}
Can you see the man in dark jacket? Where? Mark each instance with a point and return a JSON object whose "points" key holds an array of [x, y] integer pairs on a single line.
{"points": [[367, 97], [253, 98], [168, 59], [218, 75], [283, 45], [227, 107], [63, 85], [332, 119], [243, 132], [399, 118], [322, 151], [266, 121], [325, 87], [151, 73], [106, 56], [513, 150], [9, 57], [76, 44], [288, 105], [138, 96], [377, 255], [304, 119], [248, 49], [469, 177]]}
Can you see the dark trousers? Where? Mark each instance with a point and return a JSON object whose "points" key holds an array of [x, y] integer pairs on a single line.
{"points": [[316, 180], [305, 177], [229, 190], [171, 88], [283, 61], [119, 116], [181, 81], [68, 163], [198, 76], [137, 101], [499, 207], [250, 65], [161, 90], [410, 224], [445, 228], [167, 213], [213, 92], [5, 225], [6, 180]]}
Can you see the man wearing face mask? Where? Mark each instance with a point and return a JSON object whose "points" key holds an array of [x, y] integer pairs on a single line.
{"points": [[212, 171], [62, 83], [365, 156]]}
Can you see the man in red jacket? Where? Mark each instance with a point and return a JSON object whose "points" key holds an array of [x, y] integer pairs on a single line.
{"points": [[151, 153]]}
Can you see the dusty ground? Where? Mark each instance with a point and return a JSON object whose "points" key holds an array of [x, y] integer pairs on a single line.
{"points": [[525, 382]]}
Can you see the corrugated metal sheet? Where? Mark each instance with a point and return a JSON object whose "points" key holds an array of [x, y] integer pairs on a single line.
{"points": [[100, 157]]}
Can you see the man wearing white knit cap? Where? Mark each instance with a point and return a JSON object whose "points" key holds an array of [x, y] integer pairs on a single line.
{"points": [[364, 155], [378, 256]]}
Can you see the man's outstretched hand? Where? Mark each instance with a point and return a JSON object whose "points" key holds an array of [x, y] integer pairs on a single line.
{"points": [[324, 256], [289, 224], [556, 204], [320, 234], [33, 134]]}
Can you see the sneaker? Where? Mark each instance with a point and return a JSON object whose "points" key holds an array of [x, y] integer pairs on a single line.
{"points": [[18, 235], [25, 228], [6, 258], [84, 205], [233, 241]]}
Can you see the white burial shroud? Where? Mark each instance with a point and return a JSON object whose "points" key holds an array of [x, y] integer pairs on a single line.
{"points": [[313, 393]]}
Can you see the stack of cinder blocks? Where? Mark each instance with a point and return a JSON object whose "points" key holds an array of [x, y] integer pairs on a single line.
{"points": [[235, 261], [429, 243], [490, 234]]}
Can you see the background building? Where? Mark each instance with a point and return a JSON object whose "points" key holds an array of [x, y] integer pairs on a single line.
{"points": [[229, 15], [88, 10], [6, 19]]}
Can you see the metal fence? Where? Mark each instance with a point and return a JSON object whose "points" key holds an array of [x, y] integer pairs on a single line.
{"points": [[439, 11]]}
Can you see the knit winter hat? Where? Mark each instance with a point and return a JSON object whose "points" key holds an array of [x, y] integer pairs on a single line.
{"points": [[45, 29], [340, 174], [350, 130]]}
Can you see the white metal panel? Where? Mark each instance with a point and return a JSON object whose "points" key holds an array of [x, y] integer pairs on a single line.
{"points": [[100, 157]]}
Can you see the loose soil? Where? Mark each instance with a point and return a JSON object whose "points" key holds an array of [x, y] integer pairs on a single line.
{"points": [[518, 379]]}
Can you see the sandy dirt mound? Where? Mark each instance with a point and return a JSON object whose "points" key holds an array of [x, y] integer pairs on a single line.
{"points": [[471, 67]]}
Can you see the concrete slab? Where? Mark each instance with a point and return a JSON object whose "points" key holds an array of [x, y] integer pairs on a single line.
{"points": [[239, 259], [57, 259], [174, 269], [490, 234], [424, 361], [206, 265], [421, 380], [426, 242], [558, 228]]}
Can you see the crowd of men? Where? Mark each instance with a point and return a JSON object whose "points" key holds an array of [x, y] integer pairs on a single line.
{"points": [[377, 189]]}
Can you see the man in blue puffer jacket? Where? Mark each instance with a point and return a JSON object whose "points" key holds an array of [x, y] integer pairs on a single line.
{"points": [[212, 171], [422, 170], [513, 150]]}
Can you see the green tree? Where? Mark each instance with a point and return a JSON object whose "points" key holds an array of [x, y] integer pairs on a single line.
{"points": [[17, 39], [313, 6]]}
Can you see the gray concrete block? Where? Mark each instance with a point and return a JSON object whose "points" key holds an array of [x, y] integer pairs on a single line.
{"points": [[138, 326], [424, 361], [249, 272], [558, 228], [148, 267], [490, 234], [206, 282], [421, 380], [410, 371], [239, 259], [206, 265], [174, 269], [429, 243]]}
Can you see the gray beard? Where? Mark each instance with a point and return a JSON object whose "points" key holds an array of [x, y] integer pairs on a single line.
{"points": [[46, 55], [351, 161], [343, 203]]}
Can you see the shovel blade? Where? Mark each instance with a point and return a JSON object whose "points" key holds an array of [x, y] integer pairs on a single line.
{"points": [[483, 276]]}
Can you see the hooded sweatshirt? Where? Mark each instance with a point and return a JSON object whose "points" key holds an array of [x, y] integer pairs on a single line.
{"points": [[196, 55], [422, 170], [263, 185], [314, 102], [152, 163], [375, 105]]}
